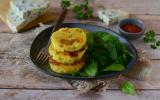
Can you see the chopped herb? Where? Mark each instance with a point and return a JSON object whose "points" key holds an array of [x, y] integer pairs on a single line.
{"points": [[82, 11], [150, 37], [128, 88], [65, 4], [156, 45]]}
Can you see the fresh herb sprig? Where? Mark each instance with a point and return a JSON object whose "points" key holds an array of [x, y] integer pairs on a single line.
{"points": [[150, 37], [81, 11], [65, 4], [128, 88]]}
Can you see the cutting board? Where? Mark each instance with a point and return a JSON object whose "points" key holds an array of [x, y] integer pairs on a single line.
{"points": [[46, 17]]}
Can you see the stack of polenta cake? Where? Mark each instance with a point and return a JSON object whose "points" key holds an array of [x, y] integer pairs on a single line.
{"points": [[67, 49]]}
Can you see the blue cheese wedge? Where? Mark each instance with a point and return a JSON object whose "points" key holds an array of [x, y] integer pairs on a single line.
{"points": [[23, 12], [111, 16]]}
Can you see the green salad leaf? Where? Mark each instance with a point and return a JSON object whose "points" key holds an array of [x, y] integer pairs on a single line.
{"points": [[105, 53], [90, 70], [90, 39], [111, 50], [128, 88], [114, 67]]}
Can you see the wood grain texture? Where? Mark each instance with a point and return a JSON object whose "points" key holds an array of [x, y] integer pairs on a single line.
{"points": [[14, 94], [19, 82], [133, 7], [14, 74], [150, 7]]}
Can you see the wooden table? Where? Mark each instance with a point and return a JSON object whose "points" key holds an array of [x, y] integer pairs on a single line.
{"points": [[18, 83]]}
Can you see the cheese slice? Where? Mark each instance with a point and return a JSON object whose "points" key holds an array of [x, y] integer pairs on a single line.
{"points": [[111, 16], [23, 12]]}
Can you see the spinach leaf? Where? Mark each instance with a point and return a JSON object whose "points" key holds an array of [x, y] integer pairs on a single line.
{"points": [[128, 88], [109, 38], [90, 39], [112, 52], [114, 67], [105, 53], [90, 70]]}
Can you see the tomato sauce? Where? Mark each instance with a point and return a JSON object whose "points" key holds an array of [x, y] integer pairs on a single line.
{"points": [[131, 28]]}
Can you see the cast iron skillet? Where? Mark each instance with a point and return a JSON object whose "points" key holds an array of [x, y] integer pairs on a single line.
{"points": [[42, 39]]}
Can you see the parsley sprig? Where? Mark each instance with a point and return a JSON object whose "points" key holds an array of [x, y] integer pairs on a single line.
{"points": [[81, 11], [65, 4], [128, 88], [150, 37]]}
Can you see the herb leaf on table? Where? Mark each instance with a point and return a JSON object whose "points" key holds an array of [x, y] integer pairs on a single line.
{"points": [[150, 37], [65, 4], [128, 88], [81, 11]]}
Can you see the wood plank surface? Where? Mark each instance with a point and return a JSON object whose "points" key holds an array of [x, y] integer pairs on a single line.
{"points": [[150, 7], [151, 22], [19, 82], [155, 54], [16, 94], [133, 6], [14, 74]]}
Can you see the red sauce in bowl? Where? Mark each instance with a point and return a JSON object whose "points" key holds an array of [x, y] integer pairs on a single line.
{"points": [[131, 28]]}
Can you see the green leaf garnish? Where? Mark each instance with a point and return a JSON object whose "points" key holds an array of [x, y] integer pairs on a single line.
{"points": [[90, 70], [114, 67], [150, 37], [90, 39], [65, 4], [82, 11], [128, 88]]}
